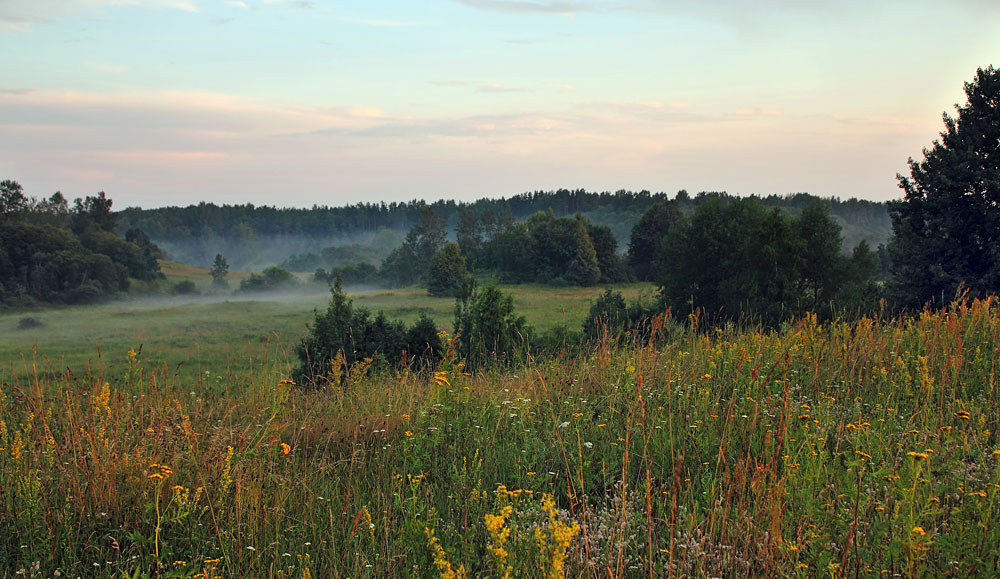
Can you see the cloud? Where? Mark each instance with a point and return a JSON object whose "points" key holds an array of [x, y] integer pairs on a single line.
{"points": [[22, 15], [523, 7], [383, 23], [758, 112], [495, 87], [184, 5], [18, 91], [560, 87], [483, 87]]}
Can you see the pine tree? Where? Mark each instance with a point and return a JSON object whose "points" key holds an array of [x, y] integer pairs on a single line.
{"points": [[946, 229]]}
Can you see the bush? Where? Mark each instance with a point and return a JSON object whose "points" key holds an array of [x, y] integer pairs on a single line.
{"points": [[489, 332], [184, 288], [272, 278], [343, 340]]}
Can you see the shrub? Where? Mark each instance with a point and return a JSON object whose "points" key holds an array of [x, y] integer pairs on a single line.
{"points": [[184, 288], [343, 340]]}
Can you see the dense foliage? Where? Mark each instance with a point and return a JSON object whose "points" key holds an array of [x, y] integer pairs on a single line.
{"points": [[447, 271], [57, 254], [257, 236], [271, 279], [946, 229], [488, 332], [736, 259], [345, 341]]}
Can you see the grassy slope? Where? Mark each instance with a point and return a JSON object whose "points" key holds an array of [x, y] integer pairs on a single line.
{"points": [[837, 450]]}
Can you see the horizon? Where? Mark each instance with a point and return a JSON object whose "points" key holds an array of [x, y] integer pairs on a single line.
{"points": [[293, 104], [496, 198]]}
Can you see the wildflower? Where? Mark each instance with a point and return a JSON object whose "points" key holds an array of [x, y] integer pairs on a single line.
{"points": [[863, 455], [706, 377], [180, 563], [408, 433], [441, 558], [588, 444], [963, 415], [285, 449], [918, 456], [981, 494], [156, 476], [405, 417], [287, 382], [919, 531], [996, 452], [601, 425]]}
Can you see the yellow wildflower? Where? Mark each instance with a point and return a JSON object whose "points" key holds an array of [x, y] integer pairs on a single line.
{"points": [[285, 449]]}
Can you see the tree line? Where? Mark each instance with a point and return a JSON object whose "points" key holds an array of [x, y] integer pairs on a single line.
{"points": [[738, 260], [55, 252], [258, 236]]}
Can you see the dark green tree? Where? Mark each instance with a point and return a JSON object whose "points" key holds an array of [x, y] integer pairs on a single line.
{"points": [[489, 332], [470, 237], [609, 261], [447, 271], [822, 267], [13, 203], [426, 239], [399, 268], [946, 229], [647, 237], [92, 212], [733, 259], [220, 269]]}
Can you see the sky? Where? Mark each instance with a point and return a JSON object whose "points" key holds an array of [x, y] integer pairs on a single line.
{"points": [[310, 102]]}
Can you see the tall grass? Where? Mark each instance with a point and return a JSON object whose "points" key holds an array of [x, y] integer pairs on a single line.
{"points": [[861, 449]]}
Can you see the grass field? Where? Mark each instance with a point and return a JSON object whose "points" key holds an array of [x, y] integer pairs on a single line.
{"points": [[839, 450], [218, 331]]}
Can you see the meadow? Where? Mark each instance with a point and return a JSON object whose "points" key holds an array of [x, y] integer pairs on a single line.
{"points": [[224, 332], [819, 450]]}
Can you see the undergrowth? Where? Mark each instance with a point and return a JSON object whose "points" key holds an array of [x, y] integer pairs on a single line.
{"points": [[848, 449]]}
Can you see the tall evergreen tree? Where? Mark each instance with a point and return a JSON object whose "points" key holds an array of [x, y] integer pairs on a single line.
{"points": [[946, 229], [647, 236]]}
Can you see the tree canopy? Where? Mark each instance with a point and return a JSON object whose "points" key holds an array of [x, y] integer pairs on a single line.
{"points": [[736, 259], [946, 229], [51, 253]]}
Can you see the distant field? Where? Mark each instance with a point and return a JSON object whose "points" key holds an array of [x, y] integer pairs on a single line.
{"points": [[210, 332]]}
